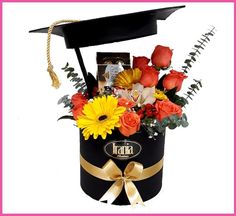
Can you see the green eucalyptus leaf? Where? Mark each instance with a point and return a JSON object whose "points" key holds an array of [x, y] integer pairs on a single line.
{"points": [[184, 117], [173, 118], [172, 126], [67, 64], [69, 69], [194, 59], [69, 74], [187, 61], [165, 122], [190, 93], [184, 123]]}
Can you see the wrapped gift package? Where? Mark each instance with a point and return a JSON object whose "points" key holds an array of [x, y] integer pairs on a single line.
{"points": [[122, 151]]}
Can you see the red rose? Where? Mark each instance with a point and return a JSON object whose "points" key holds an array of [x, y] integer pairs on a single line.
{"points": [[161, 56], [166, 108], [125, 103], [140, 62], [78, 101], [174, 80], [130, 123], [149, 76]]}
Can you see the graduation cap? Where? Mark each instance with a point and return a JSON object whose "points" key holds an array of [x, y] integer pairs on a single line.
{"points": [[103, 30]]}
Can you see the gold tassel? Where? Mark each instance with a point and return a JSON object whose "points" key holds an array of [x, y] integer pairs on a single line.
{"points": [[54, 78], [53, 75]]}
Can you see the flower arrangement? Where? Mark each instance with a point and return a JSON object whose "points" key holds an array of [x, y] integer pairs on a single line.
{"points": [[142, 96]]}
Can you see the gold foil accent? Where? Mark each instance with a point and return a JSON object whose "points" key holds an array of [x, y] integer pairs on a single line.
{"points": [[133, 172]]}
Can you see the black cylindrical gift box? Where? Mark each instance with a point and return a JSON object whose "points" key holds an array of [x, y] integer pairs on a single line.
{"points": [[147, 151]]}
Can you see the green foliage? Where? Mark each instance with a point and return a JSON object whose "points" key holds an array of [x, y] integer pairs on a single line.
{"points": [[173, 97], [171, 93], [201, 43], [79, 83], [160, 83], [193, 89], [153, 126], [181, 101], [66, 101], [66, 117]]}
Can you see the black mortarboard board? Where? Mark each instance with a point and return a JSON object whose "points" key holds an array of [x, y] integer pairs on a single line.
{"points": [[109, 29]]}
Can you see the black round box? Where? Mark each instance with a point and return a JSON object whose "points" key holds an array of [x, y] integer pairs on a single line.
{"points": [[93, 151]]}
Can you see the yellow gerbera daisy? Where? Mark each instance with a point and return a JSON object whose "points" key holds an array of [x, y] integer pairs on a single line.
{"points": [[160, 95], [100, 117], [127, 78]]}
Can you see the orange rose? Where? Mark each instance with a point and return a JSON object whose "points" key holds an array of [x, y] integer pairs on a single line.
{"points": [[174, 80], [130, 123], [78, 98], [149, 76], [161, 56], [166, 108], [140, 62], [78, 101], [125, 103]]}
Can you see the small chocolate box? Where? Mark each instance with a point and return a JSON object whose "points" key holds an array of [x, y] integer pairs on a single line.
{"points": [[109, 65]]}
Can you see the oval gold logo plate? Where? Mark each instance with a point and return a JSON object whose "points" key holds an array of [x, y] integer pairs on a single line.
{"points": [[122, 149]]}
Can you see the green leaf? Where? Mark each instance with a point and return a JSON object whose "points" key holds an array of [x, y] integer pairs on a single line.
{"points": [[192, 89], [70, 69], [192, 53], [74, 75], [194, 86], [199, 47], [184, 123], [181, 101], [63, 99], [172, 126], [174, 118], [187, 61], [171, 93], [210, 33], [67, 64], [165, 122], [189, 65], [69, 74], [160, 83], [188, 96], [190, 93], [200, 84], [184, 117], [66, 117]]}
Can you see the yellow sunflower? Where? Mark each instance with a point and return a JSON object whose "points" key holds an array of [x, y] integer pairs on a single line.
{"points": [[160, 95], [127, 78], [100, 117]]}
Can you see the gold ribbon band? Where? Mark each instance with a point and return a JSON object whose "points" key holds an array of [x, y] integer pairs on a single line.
{"points": [[134, 171]]}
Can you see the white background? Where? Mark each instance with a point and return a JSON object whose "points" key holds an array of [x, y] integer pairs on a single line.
{"points": [[41, 156]]}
